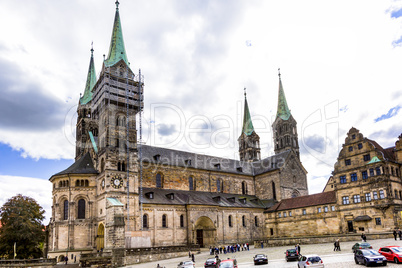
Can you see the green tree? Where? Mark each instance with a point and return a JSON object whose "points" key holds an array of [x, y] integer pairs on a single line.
{"points": [[21, 223]]}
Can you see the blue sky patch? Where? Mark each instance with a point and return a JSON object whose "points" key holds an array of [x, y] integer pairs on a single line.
{"points": [[391, 113], [13, 164], [396, 13]]}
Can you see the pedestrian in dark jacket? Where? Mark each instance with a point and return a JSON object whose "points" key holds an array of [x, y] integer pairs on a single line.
{"points": [[395, 234], [363, 236], [400, 234]]}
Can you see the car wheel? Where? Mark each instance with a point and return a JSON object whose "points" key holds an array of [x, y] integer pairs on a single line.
{"points": [[396, 260], [356, 261]]}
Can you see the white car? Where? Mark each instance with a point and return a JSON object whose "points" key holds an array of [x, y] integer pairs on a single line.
{"points": [[186, 264], [310, 261]]}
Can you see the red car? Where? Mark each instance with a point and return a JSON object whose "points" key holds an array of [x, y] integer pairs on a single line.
{"points": [[228, 263], [392, 253]]}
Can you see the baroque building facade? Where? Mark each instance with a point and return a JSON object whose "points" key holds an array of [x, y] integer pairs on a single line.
{"points": [[364, 194], [120, 194]]}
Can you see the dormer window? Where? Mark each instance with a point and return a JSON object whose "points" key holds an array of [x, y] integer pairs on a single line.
{"points": [[239, 169], [217, 166], [188, 162], [157, 157], [216, 198], [170, 196], [150, 195], [243, 200], [231, 199]]}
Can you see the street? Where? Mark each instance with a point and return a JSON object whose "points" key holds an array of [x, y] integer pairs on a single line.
{"points": [[276, 256]]}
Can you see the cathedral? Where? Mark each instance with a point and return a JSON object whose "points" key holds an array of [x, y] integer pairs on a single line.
{"points": [[122, 194]]}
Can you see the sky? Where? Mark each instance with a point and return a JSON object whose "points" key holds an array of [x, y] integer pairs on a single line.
{"points": [[340, 64]]}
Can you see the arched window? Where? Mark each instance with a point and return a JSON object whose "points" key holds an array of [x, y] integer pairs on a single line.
{"points": [[82, 183], [81, 209], [102, 165], [123, 166], [159, 180], [191, 183], [273, 191], [182, 221], [86, 183], [243, 187], [118, 166], [60, 184], [256, 221], [145, 221], [230, 221], [77, 183], [164, 221], [65, 210], [243, 220]]}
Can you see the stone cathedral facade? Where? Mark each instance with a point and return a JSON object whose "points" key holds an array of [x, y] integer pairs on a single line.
{"points": [[184, 198]]}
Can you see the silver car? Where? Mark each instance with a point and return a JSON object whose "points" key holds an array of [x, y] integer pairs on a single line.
{"points": [[310, 261], [186, 264]]}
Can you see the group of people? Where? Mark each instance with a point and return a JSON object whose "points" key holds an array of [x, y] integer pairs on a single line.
{"points": [[397, 233], [228, 249], [337, 245]]}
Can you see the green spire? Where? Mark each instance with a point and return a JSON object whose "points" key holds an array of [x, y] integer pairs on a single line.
{"points": [[283, 109], [248, 127], [91, 81], [117, 51]]}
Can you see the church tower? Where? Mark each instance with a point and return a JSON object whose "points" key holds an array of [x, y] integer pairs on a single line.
{"points": [[86, 128], [116, 99], [249, 141], [284, 127]]}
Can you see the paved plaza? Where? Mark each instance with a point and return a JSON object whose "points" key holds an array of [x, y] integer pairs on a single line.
{"points": [[331, 258]]}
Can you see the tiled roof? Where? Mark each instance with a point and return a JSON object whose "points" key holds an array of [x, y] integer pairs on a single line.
{"points": [[163, 156], [162, 196], [387, 153], [305, 201], [83, 165]]}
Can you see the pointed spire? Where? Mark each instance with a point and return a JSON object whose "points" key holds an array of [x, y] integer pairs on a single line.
{"points": [[283, 109], [117, 50], [91, 80], [248, 127]]}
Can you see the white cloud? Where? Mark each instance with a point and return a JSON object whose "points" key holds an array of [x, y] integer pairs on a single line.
{"points": [[196, 55], [38, 189]]}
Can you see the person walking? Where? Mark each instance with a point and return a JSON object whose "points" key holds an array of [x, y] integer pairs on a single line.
{"points": [[338, 244], [363, 236], [400, 234], [395, 234], [192, 257], [297, 247]]}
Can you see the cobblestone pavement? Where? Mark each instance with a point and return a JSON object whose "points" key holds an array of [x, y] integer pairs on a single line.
{"points": [[276, 256]]}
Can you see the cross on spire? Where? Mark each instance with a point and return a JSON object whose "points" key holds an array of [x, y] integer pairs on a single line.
{"points": [[117, 4], [279, 73]]}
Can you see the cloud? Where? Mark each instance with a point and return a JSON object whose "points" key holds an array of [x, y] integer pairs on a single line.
{"points": [[316, 143], [38, 189], [391, 113], [24, 105], [166, 129]]}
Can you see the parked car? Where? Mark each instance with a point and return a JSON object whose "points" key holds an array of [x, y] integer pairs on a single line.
{"points": [[310, 261], [211, 263], [260, 259], [361, 245], [291, 255], [186, 264], [392, 253], [369, 256], [228, 263]]}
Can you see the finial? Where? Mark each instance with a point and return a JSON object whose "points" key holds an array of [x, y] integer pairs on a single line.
{"points": [[92, 47], [245, 93], [279, 73], [117, 4]]}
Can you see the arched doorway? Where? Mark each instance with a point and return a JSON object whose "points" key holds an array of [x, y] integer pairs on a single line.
{"points": [[205, 232], [100, 237]]}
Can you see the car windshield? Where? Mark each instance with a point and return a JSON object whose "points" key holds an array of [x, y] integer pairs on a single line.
{"points": [[187, 262], [211, 259], [291, 250], [370, 252], [260, 256], [397, 250], [364, 244], [226, 264], [314, 259]]}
